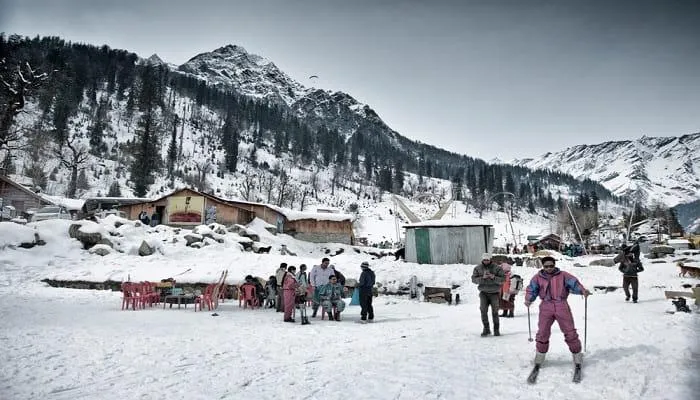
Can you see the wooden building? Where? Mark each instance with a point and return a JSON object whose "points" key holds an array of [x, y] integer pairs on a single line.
{"points": [[448, 241], [188, 207], [22, 199], [319, 227]]}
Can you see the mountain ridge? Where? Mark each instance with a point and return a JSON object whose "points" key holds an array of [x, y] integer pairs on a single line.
{"points": [[648, 169]]}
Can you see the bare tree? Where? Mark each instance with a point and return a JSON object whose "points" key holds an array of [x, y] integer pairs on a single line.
{"points": [[338, 177], [314, 182], [72, 156], [268, 184], [282, 190], [247, 186], [16, 83], [203, 167], [304, 196]]}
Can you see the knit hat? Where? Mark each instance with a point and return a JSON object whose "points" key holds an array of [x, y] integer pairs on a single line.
{"points": [[364, 264], [486, 256]]}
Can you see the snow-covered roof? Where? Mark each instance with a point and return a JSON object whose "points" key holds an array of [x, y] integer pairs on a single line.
{"points": [[678, 241], [69, 204], [449, 222], [293, 215]]}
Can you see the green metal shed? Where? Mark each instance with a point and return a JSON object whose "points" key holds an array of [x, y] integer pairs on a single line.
{"points": [[448, 241]]}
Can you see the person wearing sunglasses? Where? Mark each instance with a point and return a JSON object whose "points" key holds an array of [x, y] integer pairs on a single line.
{"points": [[553, 287]]}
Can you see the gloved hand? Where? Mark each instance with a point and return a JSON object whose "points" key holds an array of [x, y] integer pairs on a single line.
{"points": [[586, 293], [488, 275], [527, 303]]}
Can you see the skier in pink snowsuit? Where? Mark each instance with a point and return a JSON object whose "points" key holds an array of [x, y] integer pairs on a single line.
{"points": [[553, 286], [289, 287]]}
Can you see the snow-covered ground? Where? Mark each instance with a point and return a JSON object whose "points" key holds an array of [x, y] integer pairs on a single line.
{"points": [[69, 344]]}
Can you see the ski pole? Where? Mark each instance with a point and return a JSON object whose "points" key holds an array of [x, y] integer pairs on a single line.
{"points": [[585, 321], [529, 329]]}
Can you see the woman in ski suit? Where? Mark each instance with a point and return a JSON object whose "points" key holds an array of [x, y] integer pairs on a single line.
{"points": [[289, 287], [553, 286]]}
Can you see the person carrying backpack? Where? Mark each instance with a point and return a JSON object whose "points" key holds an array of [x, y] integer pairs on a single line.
{"points": [[630, 266], [511, 287]]}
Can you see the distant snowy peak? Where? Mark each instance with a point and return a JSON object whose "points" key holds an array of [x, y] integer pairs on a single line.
{"points": [[249, 74], [665, 169]]}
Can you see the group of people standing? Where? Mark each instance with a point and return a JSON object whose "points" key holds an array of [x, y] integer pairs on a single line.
{"points": [[327, 286]]}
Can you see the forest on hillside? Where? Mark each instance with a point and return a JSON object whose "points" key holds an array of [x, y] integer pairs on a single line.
{"points": [[63, 80]]}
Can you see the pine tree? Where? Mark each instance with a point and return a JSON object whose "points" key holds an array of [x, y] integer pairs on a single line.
{"points": [[7, 167], [172, 148], [398, 177], [82, 181], [369, 166], [114, 190]]}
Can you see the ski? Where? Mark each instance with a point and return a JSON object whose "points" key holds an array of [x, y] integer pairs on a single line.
{"points": [[577, 373], [532, 378]]}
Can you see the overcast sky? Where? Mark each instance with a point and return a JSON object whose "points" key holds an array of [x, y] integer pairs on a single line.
{"points": [[485, 78]]}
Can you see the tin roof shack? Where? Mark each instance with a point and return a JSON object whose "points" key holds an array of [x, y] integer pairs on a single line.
{"points": [[188, 207], [319, 227], [95, 205], [448, 241], [22, 199], [550, 242]]}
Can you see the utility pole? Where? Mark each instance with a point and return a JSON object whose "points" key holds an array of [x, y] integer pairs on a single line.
{"points": [[585, 252]]}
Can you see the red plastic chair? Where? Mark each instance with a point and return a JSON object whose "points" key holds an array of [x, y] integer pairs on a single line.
{"points": [[205, 298], [248, 294], [130, 297], [309, 295]]}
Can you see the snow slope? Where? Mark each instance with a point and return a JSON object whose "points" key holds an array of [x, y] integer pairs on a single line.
{"points": [[88, 348]]}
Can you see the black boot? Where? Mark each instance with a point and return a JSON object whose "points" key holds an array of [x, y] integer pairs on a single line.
{"points": [[496, 332], [486, 331], [305, 321], [337, 316], [313, 314], [510, 314], [505, 314], [330, 316]]}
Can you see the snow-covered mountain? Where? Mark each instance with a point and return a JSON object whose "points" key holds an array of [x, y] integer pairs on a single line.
{"points": [[232, 67], [665, 169]]}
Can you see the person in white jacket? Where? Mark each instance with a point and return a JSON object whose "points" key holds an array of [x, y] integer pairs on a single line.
{"points": [[319, 277]]}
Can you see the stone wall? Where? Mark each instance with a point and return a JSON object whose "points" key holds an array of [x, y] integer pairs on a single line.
{"points": [[323, 237]]}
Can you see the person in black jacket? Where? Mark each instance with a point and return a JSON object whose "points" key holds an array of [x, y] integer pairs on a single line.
{"points": [[630, 266], [365, 286]]}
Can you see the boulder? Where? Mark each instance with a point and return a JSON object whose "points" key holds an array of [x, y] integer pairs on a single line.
{"points": [[218, 228], [197, 245], [88, 239], [605, 262], [73, 230], [192, 238], [145, 249], [100, 249], [245, 232]]}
